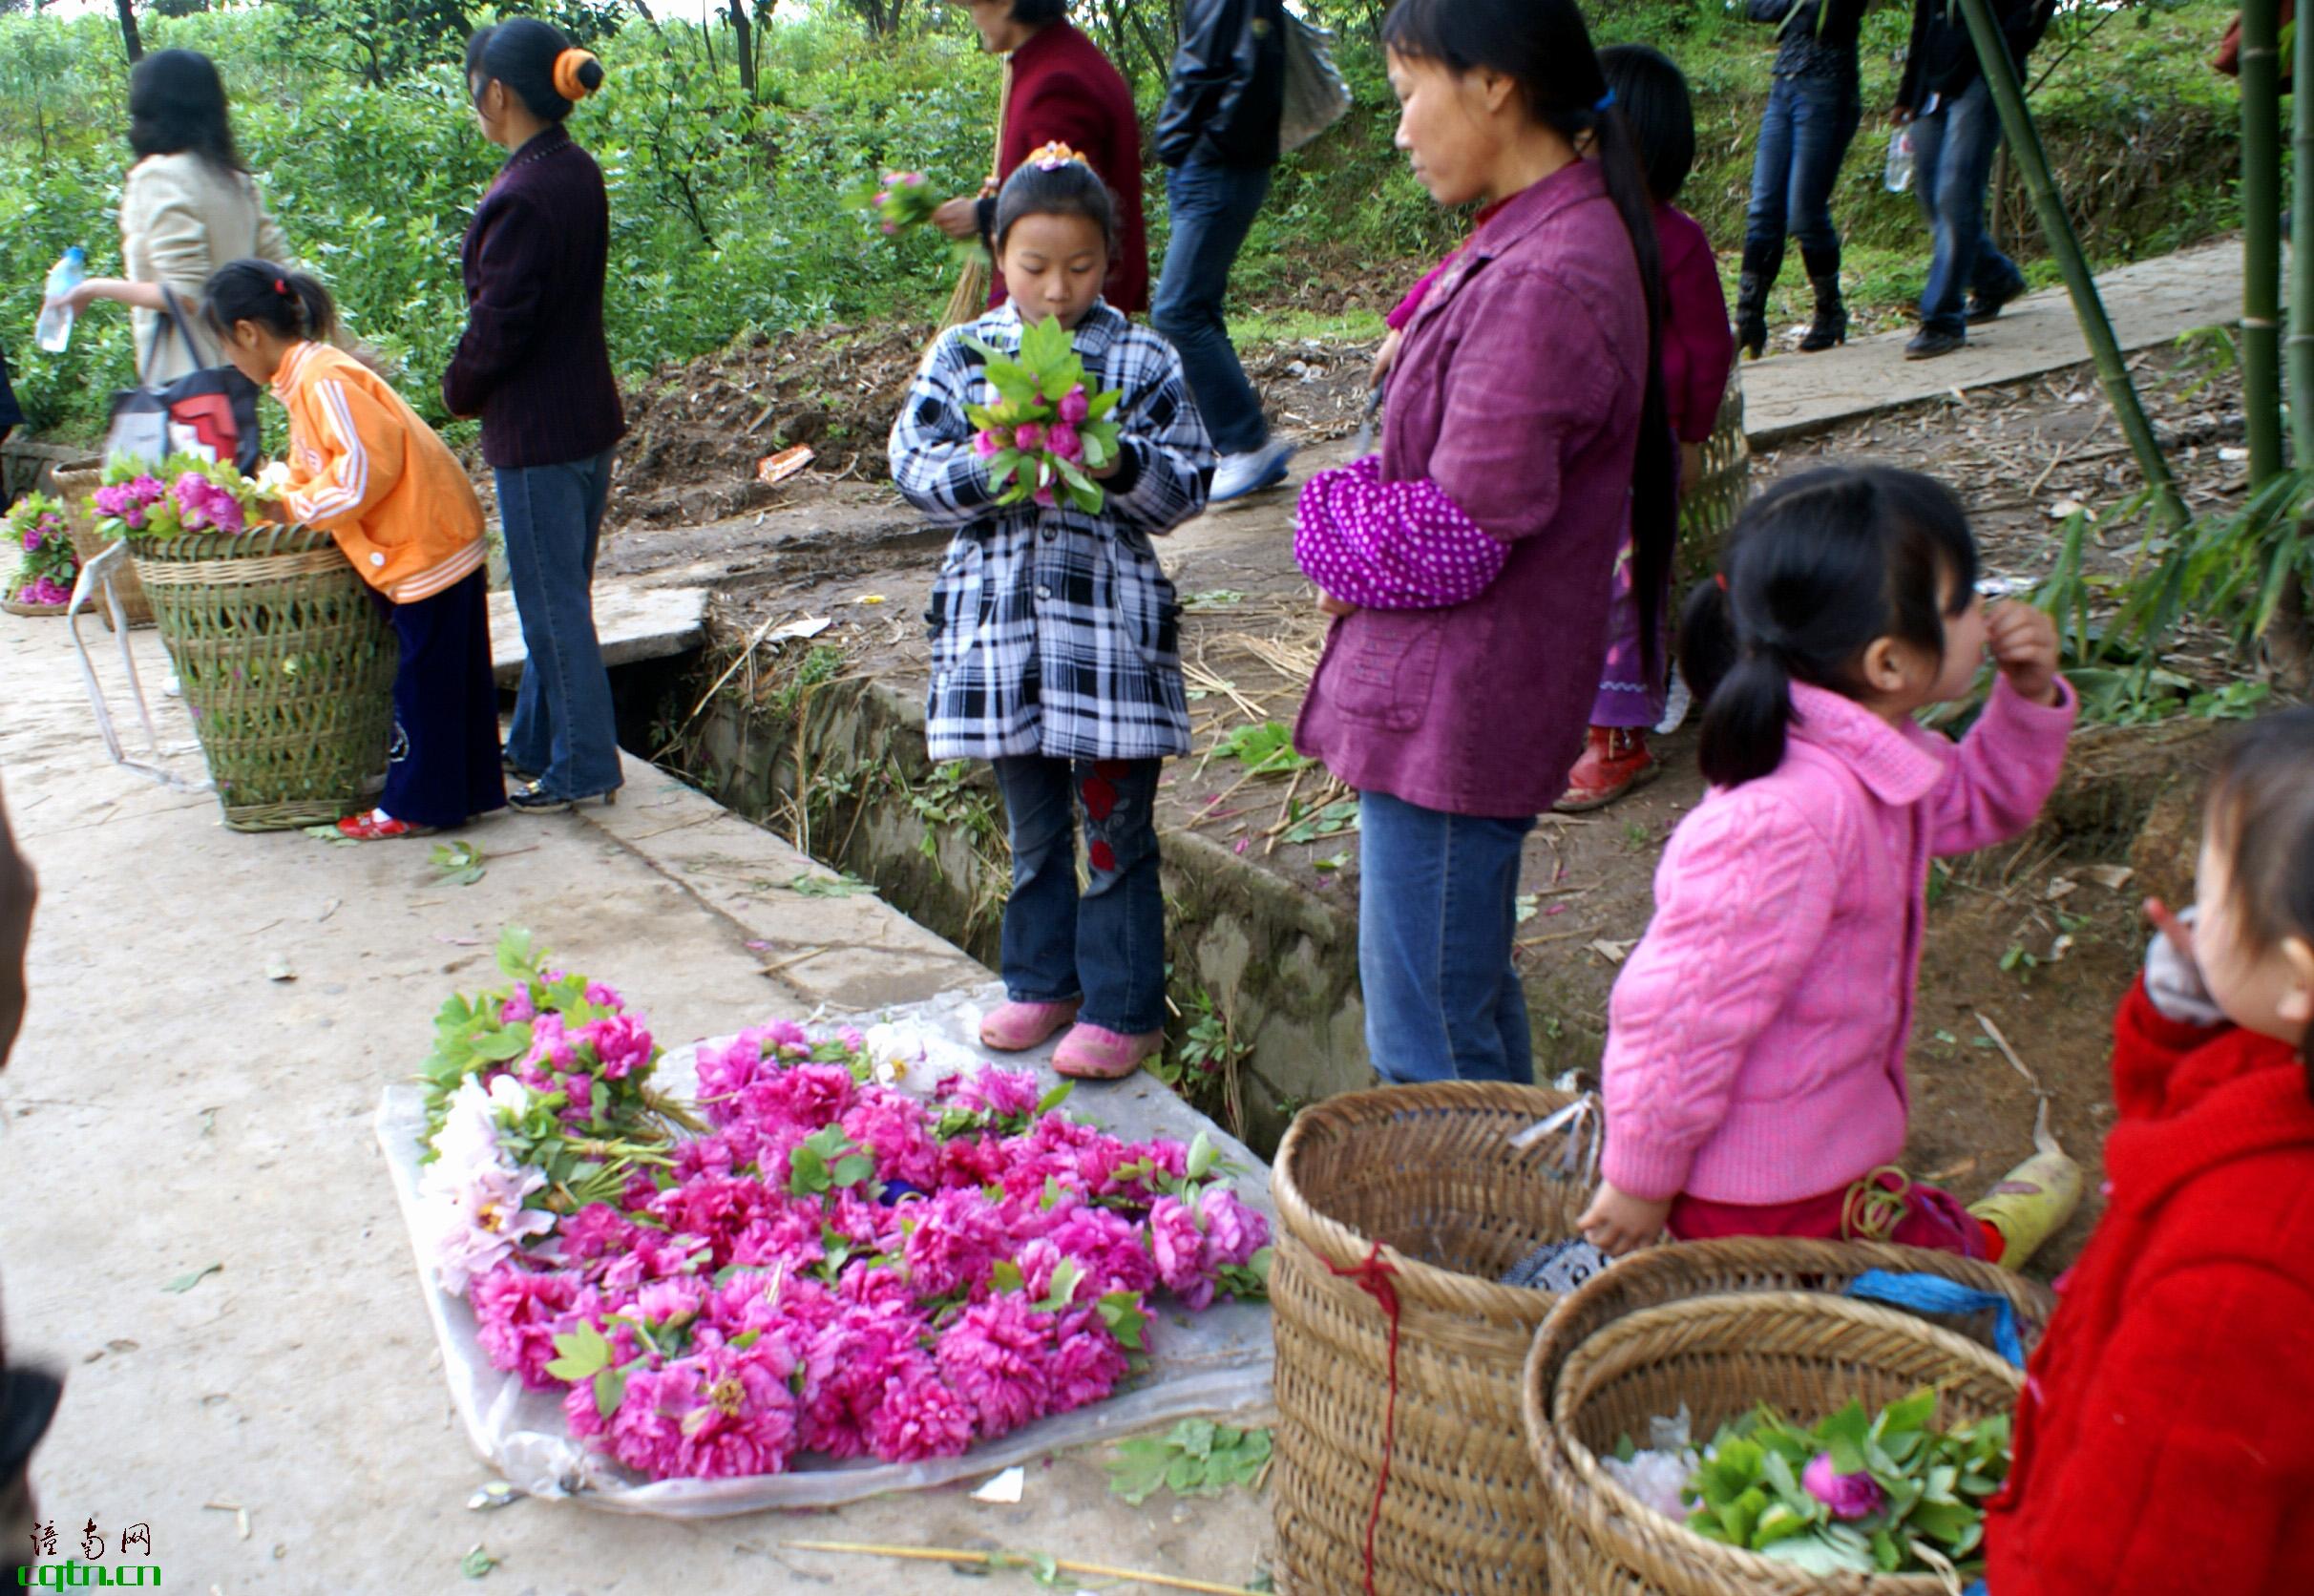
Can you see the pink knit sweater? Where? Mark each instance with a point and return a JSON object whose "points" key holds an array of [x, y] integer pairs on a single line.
{"points": [[1755, 1039]]}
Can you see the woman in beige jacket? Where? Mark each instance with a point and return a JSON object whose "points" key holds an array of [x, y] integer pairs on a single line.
{"points": [[189, 206]]}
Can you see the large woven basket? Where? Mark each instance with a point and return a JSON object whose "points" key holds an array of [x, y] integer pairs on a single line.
{"points": [[1429, 1173], [287, 664], [1711, 503], [72, 491], [1590, 1535], [1807, 1353]]}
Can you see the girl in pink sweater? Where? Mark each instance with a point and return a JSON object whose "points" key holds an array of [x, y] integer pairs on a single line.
{"points": [[1754, 1069]]}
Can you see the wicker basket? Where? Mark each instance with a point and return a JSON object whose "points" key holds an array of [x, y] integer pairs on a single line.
{"points": [[287, 667], [1429, 1173], [16, 606], [72, 491], [1721, 490], [1805, 1352], [1581, 1529]]}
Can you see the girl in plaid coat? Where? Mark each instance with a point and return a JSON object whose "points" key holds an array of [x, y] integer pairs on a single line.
{"points": [[1055, 633]]}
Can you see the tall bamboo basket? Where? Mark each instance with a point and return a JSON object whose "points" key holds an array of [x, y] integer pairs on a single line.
{"points": [[287, 664]]}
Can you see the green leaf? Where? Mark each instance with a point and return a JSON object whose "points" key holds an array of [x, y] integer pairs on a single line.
{"points": [[184, 1283], [1913, 1413], [1139, 1468], [476, 1562], [1005, 1277], [1100, 403], [1943, 1521], [518, 955], [1066, 1276], [498, 1047], [1051, 1100], [1125, 1317], [584, 1353], [1817, 1553], [807, 1170], [844, 885], [853, 1169], [1778, 1523], [610, 1390], [1843, 1435], [1202, 1156]]}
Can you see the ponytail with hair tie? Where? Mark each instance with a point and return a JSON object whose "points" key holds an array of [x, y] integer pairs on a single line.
{"points": [[572, 80]]}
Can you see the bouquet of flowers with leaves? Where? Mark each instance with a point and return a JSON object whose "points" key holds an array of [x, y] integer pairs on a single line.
{"points": [[1886, 1493], [905, 201], [1044, 433], [186, 494], [539, 1103], [36, 524]]}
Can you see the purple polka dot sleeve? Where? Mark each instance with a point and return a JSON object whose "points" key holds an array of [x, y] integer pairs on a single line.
{"points": [[1390, 545]]}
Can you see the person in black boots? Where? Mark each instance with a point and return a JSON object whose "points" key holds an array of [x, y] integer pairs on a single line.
{"points": [[1814, 105], [1955, 132], [1218, 135]]}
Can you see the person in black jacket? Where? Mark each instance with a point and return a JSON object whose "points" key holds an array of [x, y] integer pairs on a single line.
{"points": [[1218, 135], [1814, 104], [1955, 130]]}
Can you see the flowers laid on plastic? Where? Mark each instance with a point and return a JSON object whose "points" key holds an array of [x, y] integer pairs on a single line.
{"points": [[1888, 1492], [828, 1265], [1039, 445], [49, 568], [186, 494]]}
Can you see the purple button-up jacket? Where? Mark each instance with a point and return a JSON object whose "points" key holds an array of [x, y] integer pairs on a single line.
{"points": [[1518, 391]]}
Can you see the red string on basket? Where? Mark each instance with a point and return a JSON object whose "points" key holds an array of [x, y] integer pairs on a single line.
{"points": [[1372, 1277]]}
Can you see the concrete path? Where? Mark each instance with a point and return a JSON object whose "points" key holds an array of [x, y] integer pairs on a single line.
{"points": [[170, 1107], [632, 620], [1788, 395]]}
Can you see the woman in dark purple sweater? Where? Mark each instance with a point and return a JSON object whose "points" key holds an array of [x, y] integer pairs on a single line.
{"points": [[534, 366]]}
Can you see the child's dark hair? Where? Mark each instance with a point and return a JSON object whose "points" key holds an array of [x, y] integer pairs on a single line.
{"points": [[1544, 47], [1037, 13], [537, 61], [176, 102], [1652, 95], [287, 303], [1817, 569], [1067, 188], [2261, 818]]}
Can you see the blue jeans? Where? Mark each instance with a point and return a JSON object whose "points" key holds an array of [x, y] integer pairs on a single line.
{"points": [[1107, 944], [1952, 149], [1804, 137], [1438, 897], [564, 729], [1214, 208]]}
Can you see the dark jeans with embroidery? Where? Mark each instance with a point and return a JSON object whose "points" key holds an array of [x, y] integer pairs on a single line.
{"points": [[1106, 943]]}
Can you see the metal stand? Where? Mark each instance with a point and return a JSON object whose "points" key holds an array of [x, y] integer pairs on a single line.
{"points": [[98, 573]]}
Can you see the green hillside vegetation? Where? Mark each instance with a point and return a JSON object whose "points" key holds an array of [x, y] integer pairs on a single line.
{"points": [[730, 211]]}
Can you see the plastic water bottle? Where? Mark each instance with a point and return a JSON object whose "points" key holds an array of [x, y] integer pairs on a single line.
{"points": [[1898, 174], [56, 328]]}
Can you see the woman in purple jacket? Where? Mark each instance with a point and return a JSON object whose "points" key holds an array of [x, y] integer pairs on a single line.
{"points": [[534, 366], [1470, 561]]}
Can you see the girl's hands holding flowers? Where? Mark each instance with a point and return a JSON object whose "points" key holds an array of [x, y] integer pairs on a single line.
{"points": [[2023, 643], [1617, 1223]]}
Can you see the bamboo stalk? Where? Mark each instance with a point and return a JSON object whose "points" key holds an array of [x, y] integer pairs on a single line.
{"points": [[1014, 1560], [2301, 250], [2260, 236], [2089, 309]]}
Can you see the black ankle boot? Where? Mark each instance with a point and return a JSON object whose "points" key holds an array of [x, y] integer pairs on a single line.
{"points": [[1761, 264], [1831, 325]]}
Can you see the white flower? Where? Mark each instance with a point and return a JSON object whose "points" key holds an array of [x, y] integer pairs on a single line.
{"points": [[471, 1194]]}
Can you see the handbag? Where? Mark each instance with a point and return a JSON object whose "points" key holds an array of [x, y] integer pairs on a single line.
{"points": [[210, 411], [1315, 96]]}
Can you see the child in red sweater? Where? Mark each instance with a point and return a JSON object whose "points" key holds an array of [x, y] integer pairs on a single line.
{"points": [[2165, 1437]]}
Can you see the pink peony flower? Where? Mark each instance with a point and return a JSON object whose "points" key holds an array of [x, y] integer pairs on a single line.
{"points": [[1233, 1232], [1005, 1093], [1087, 1362], [603, 996], [720, 1414], [32, 538], [1178, 1246], [919, 1416], [891, 1127], [620, 1043], [953, 1241], [519, 1313], [1849, 1496], [517, 1009], [550, 1045], [990, 442], [1063, 440], [1028, 437], [1075, 406], [1043, 497], [995, 1357]]}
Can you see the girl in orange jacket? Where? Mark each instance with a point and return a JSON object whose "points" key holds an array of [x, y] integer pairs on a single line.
{"points": [[366, 469]]}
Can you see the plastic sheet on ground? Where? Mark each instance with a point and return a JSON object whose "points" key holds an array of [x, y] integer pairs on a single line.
{"points": [[1214, 1362]]}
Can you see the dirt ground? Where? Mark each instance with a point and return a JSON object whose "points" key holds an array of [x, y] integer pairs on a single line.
{"points": [[2028, 938]]}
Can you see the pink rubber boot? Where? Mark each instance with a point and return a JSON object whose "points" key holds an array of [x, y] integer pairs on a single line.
{"points": [[1092, 1053], [1017, 1027]]}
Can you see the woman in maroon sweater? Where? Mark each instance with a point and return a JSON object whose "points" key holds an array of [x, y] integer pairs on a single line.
{"points": [[534, 366], [1063, 91]]}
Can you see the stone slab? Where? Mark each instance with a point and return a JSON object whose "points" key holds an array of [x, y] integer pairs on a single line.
{"points": [[1788, 396], [634, 620]]}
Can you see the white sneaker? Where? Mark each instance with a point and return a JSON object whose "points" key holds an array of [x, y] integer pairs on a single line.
{"points": [[1240, 474]]}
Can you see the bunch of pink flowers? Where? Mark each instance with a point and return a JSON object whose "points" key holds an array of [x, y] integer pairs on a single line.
{"points": [[905, 201], [50, 566], [204, 505], [839, 1266], [129, 502]]}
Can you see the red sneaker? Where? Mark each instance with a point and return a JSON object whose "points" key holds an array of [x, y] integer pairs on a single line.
{"points": [[377, 826], [1614, 761]]}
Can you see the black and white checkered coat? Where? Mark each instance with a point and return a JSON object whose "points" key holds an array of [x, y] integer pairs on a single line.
{"points": [[1055, 632]]}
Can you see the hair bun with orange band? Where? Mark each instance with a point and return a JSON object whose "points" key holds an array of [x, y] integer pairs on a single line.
{"points": [[577, 73]]}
